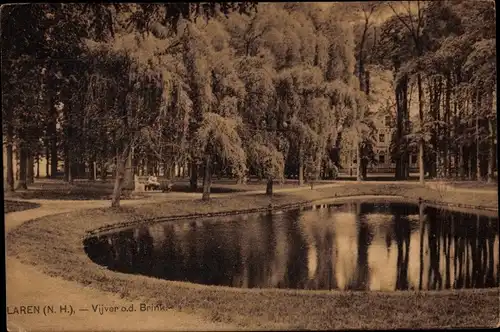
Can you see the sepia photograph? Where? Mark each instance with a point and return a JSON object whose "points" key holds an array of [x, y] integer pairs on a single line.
{"points": [[239, 166]]}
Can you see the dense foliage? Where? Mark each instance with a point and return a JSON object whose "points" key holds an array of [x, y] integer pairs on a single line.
{"points": [[244, 89]]}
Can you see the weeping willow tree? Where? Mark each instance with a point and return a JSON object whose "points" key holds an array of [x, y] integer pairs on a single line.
{"points": [[297, 86], [137, 83], [218, 136], [264, 145], [268, 161], [359, 130], [318, 118]]}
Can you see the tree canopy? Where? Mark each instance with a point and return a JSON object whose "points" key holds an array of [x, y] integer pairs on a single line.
{"points": [[248, 89]]}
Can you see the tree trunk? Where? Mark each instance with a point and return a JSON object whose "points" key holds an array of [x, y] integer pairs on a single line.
{"points": [[148, 166], [193, 180], [47, 159], [67, 145], [269, 187], [121, 161], [117, 190], [67, 167], [92, 169], [364, 169], [491, 155], [23, 158], [435, 97], [478, 165], [38, 166], [167, 168], [73, 169], [171, 175], [447, 145], [301, 165], [207, 178], [67, 170], [364, 85], [129, 182], [470, 173], [358, 164], [10, 156], [456, 149], [461, 163], [29, 170], [53, 149], [401, 158], [82, 168], [104, 171], [421, 140]]}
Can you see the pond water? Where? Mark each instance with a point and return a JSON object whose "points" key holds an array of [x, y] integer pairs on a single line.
{"points": [[353, 246]]}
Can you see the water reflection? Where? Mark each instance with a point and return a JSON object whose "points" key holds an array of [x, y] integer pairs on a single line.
{"points": [[356, 246]]}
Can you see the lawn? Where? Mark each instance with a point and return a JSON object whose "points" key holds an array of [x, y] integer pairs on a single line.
{"points": [[475, 185], [98, 190], [79, 190], [54, 244], [15, 206]]}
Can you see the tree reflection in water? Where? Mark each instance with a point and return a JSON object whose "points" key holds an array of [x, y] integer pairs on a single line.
{"points": [[320, 240], [434, 234], [402, 233], [364, 237], [327, 247], [296, 269]]}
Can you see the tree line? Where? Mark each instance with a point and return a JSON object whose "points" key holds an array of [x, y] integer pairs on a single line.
{"points": [[246, 88]]}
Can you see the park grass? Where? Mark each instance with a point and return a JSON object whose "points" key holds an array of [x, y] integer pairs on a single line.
{"points": [[54, 244], [483, 185], [79, 190], [16, 206], [98, 190]]}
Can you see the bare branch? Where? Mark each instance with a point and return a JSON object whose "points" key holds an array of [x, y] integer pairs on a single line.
{"points": [[410, 28]]}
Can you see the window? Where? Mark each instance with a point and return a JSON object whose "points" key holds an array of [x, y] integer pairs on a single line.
{"points": [[381, 158], [388, 120], [381, 138], [413, 158]]}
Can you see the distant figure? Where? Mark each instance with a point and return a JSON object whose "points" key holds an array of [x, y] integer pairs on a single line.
{"points": [[153, 179], [153, 183]]}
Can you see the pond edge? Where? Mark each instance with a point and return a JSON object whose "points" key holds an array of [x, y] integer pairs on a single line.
{"points": [[184, 217]]}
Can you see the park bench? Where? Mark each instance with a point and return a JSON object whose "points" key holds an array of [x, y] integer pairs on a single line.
{"points": [[141, 184]]}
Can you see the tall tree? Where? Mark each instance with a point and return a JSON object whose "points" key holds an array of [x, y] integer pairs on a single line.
{"points": [[413, 23]]}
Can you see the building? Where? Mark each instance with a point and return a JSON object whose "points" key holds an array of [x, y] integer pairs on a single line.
{"points": [[385, 164]]}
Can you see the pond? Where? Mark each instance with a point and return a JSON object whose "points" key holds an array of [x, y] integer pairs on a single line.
{"points": [[383, 246]]}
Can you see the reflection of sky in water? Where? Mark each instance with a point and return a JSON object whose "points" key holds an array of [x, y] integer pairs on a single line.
{"points": [[382, 259], [350, 246]]}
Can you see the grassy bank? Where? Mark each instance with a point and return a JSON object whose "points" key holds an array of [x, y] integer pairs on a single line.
{"points": [[54, 244], [15, 206], [98, 190], [59, 190], [475, 185]]}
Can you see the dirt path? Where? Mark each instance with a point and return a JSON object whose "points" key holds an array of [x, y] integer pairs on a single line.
{"points": [[28, 286]]}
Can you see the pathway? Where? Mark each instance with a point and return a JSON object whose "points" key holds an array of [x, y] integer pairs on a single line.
{"points": [[26, 285]]}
